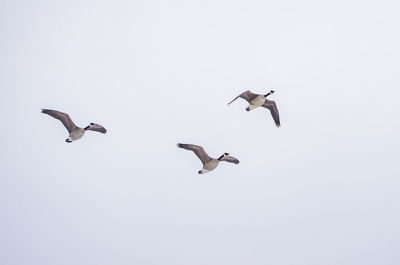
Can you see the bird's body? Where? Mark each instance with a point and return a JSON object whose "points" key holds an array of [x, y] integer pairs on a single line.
{"points": [[209, 166], [75, 132], [209, 163], [257, 100]]}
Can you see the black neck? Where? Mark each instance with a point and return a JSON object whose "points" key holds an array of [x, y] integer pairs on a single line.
{"points": [[269, 93], [220, 157]]}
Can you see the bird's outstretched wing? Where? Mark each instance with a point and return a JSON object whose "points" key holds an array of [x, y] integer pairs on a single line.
{"points": [[96, 127], [271, 105], [61, 116], [248, 96], [230, 159], [198, 150]]}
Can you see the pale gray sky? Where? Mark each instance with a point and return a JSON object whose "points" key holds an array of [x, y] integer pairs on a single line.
{"points": [[321, 190]]}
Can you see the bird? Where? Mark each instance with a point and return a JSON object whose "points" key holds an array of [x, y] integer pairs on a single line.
{"points": [[209, 163], [75, 132], [257, 100]]}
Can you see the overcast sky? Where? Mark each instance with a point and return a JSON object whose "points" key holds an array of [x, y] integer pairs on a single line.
{"points": [[321, 190]]}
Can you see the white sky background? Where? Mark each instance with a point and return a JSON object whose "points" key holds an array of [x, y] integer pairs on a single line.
{"points": [[322, 189]]}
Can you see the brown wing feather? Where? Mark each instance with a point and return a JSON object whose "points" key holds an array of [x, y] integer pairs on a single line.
{"points": [[96, 127], [61, 116], [230, 159], [271, 105], [198, 150], [248, 96]]}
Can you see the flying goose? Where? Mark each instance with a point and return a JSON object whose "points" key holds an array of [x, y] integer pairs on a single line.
{"points": [[256, 100], [209, 163], [75, 132]]}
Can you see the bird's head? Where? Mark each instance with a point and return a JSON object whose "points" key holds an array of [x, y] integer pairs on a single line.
{"points": [[87, 127], [269, 93], [223, 155]]}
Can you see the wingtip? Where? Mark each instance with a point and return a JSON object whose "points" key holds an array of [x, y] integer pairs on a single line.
{"points": [[180, 145]]}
